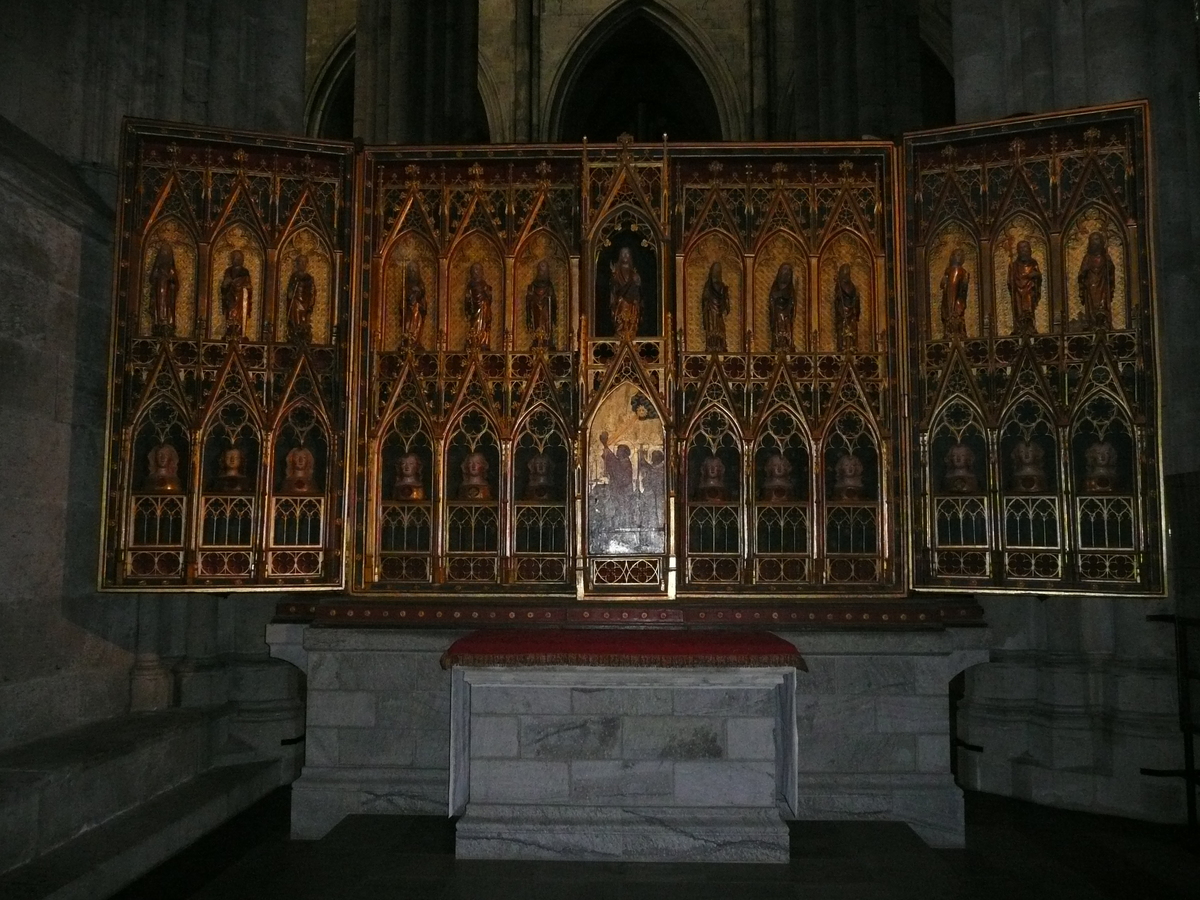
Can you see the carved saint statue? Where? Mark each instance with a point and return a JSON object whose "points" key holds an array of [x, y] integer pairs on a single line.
{"points": [[477, 304], [413, 313], [1029, 469], [777, 484], [848, 478], [714, 303], [1097, 281], [237, 293], [847, 308], [300, 473], [475, 484], [164, 287], [956, 282], [1025, 288], [782, 303], [231, 479], [1100, 473], [712, 488], [540, 485], [625, 295], [301, 298], [541, 307], [410, 483], [960, 475], [163, 477]]}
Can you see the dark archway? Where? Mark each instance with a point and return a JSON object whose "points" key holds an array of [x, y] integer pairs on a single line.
{"points": [[330, 112], [639, 80]]}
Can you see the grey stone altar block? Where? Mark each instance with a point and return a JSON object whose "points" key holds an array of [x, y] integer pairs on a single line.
{"points": [[580, 762]]}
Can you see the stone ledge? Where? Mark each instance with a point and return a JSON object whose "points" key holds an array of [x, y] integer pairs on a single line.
{"points": [[641, 834]]}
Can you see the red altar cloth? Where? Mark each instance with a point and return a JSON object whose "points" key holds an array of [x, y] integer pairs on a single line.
{"points": [[651, 648]]}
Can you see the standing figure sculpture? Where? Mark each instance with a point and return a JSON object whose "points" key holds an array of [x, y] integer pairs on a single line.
{"points": [[1097, 281], [301, 298], [782, 304], [413, 312], [541, 307], [237, 294], [847, 308], [625, 295], [714, 303], [477, 304], [956, 282], [1025, 288], [164, 287]]}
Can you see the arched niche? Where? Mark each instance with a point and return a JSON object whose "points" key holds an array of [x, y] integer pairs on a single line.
{"points": [[713, 248], [472, 485], [237, 238], [1006, 238], [1028, 448], [410, 257], [775, 250], [541, 458], [643, 69], [950, 236], [627, 229], [850, 436], [958, 460], [231, 429], [403, 488], [1103, 447], [713, 435], [170, 236], [846, 248], [301, 428], [161, 424], [475, 248], [626, 475], [305, 244], [1095, 219], [542, 245], [782, 433]]}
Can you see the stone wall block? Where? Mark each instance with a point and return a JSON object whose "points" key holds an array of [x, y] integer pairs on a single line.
{"points": [[673, 737], [570, 737], [705, 783], [875, 675], [494, 736], [750, 738], [375, 747], [824, 713], [933, 753], [858, 753], [344, 708], [724, 701], [621, 701], [930, 715], [622, 781], [320, 746], [518, 700], [520, 781]]}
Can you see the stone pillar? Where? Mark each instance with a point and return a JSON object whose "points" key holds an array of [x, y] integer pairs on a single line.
{"points": [[151, 683], [760, 66], [199, 674], [280, 81]]}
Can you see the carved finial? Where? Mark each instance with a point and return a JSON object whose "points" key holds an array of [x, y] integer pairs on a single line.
{"points": [[846, 168], [1091, 136], [779, 170], [240, 156], [715, 167], [1017, 147], [476, 173]]}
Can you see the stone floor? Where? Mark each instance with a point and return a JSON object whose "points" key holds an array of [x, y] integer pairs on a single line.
{"points": [[1015, 851]]}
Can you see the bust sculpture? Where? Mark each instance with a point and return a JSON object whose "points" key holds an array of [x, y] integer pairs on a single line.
{"points": [[299, 477], [231, 479], [960, 475], [848, 478], [777, 479], [475, 478], [1100, 468], [163, 477], [712, 488], [410, 484], [540, 485], [1029, 471]]}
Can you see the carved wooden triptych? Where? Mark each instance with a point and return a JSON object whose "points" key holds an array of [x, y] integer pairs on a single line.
{"points": [[626, 372]]}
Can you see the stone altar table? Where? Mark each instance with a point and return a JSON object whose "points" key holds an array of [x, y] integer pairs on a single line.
{"points": [[659, 759]]}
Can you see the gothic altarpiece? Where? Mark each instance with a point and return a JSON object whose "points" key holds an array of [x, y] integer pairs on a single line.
{"points": [[700, 383]]}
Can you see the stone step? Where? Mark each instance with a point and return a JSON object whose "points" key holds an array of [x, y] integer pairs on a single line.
{"points": [[110, 856], [55, 788]]}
